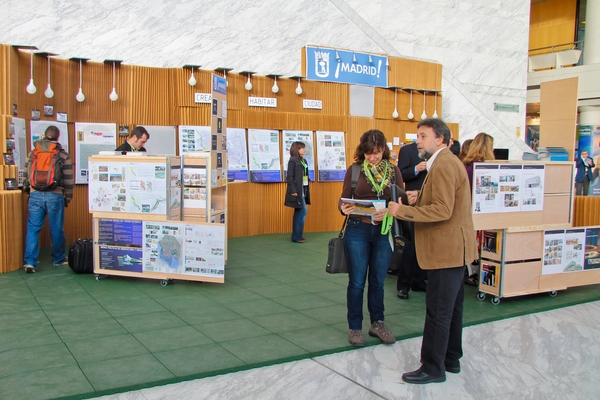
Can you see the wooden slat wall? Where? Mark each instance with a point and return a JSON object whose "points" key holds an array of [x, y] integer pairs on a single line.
{"points": [[586, 211], [552, 22], [162, 96]]}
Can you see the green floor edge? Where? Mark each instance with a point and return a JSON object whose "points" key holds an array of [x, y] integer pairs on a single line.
{"points": [[278, 250]]}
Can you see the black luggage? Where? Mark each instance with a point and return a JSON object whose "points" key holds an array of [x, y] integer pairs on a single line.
{"points": [[81, 256]]}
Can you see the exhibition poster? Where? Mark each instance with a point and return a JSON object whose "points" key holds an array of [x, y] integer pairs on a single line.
{"points": [[564, 250], [237, 154], [91, 139], [305, 137], [18, 135], [332, 156], [194, 138], [263, 146]]}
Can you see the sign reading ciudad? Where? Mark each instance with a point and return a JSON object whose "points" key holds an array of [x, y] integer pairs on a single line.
{"points": [[340, 66]]}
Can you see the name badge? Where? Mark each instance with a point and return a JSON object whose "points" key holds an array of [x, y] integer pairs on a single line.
{"points": [[305, 180]]}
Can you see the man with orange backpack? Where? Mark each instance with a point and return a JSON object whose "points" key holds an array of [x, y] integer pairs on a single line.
{"points": [[48, 178]]}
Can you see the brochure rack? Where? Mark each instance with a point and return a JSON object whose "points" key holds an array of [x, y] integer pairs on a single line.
{"points": [[136, 205], [512, 241]]}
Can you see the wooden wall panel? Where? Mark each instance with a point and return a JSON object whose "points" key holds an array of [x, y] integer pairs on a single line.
{"points": [[558, 114], [552, 22]]}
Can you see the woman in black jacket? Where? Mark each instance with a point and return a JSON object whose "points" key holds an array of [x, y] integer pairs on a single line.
{"points": [[297, 195]]}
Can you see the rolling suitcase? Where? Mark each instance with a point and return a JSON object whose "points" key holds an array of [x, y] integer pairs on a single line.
{"points": [[81, 256]]}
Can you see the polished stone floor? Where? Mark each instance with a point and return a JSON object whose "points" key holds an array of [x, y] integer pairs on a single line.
{"points": [[547, 355]]}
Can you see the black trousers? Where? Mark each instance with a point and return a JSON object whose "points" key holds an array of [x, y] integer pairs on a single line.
{"points": [[442, 335], [410, 274]]}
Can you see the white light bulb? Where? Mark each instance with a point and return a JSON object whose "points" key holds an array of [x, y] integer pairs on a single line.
{"points": [[410, 114], [275, 88], [113, 95], [248, 84], [192, 80], [435, 114], [395, 113], [49, 93], [424, 115], [299, 89], [80, 96], [31, 89]]}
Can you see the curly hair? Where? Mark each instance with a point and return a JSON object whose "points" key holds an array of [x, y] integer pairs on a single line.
{"points": [[370, 141]]}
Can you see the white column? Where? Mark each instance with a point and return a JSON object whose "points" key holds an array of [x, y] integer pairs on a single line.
{"points": [[589, 115], [592, 33]]}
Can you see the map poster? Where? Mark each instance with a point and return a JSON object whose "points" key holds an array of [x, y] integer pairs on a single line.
{"points": [[39, 127], [332, 156], [20, 150], [91, 139], [305, 137], [485, 188], [121, 258], [194, 138], [163, 247], [205, 250], [263, 147], [237, 154]]}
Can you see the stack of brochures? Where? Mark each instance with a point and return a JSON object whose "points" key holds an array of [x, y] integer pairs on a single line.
{"points": [[548, 153]]}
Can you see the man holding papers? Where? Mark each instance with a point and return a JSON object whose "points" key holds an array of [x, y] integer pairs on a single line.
{"points": [[445, 242]]}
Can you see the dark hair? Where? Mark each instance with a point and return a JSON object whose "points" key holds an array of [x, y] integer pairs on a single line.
{"points": [[455, 148], [295, 147], [138, 132], [370, 141], [52, 133], [439, 128]]}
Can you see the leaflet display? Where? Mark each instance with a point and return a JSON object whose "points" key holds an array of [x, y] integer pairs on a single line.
{"points": [[332, 156], [237, 154], [91, 139], [264, 155], [305, 137], [502, 188]]}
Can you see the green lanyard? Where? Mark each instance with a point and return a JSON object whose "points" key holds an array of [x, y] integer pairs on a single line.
{"points": [[386, 223], [305, 166], [377, 186]]}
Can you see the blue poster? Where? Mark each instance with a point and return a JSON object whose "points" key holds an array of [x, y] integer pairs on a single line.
{"points": [[219, 84], [120, 232], [589, 139], [331, 65], [121, 258]]}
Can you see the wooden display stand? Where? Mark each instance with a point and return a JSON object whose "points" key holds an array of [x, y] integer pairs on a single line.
{"points": [[11, 230], [512, 243], [138, 231], [204, 195]]}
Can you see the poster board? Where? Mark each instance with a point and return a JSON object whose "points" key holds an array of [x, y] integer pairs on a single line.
{"points": [[91, 139], [17, 125], [305, 137], [237, 155], [162, 140], [263, 152], [331, 150], [39, 127], [194, 138]]}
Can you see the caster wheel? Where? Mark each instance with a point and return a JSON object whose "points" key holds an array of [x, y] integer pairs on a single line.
{"points": [[164, 282], [480, 296], [495, 301], [98, 278], [553, 293]]}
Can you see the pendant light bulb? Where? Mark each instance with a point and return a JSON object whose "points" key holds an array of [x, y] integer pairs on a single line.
{"points": [[113, 95], [299, 88], [31, 89], [192, 80], [49, 93], [275, 88], [248, 84], [410, 113], [424, 115], [435, 114], [80, 96], [395, 113]]}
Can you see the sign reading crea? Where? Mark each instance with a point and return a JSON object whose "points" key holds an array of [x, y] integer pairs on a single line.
{"points": [[203, 98], [331, 65], [262, 102]]}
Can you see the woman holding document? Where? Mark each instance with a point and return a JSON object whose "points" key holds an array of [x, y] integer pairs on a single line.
{"points": [[367, 242]]}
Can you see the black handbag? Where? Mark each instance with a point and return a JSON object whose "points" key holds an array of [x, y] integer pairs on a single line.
{"points": [[336, 257]]}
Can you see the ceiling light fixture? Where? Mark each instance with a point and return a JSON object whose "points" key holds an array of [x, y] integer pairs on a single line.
{"points": [[113, 95], [49, 93], [299, 88], [395, 113], [275, 88], [435, 114], [31, 89], [248, 84], [424, 115], [80, 96], [192, 80], [410, 113]]}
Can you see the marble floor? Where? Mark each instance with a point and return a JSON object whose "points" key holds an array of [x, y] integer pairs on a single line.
{"points": [[547, 355]]}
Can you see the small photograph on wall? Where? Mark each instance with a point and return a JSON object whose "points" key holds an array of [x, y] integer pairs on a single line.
{"points": [[8, 159], [11, 129], [532, 137], [123, 130], [35, 114], [48, 110], [10, 184], [61, 117], [10, 144], [14, 109]]}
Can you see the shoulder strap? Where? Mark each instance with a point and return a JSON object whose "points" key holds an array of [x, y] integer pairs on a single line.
{"points": [[355, 174]]}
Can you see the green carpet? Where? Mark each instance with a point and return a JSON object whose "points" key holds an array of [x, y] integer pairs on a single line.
{"points": [[69, 336]]}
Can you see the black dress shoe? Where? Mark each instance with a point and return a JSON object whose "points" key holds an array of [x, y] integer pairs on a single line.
{"points": [[419, 289], [403, 294], [420, 378], [453, 370]]}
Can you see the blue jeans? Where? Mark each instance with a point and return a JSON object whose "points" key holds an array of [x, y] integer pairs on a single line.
{"points": [[298, 222], [368, 253], [40, 204]]}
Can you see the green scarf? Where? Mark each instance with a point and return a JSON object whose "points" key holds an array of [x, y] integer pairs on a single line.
{"points": [[378, 175]]}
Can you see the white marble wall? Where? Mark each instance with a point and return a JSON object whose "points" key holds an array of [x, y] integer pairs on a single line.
{"points": [[482, 45]]}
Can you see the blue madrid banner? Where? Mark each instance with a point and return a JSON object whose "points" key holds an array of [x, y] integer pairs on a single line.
{"points": [[331, 65]]}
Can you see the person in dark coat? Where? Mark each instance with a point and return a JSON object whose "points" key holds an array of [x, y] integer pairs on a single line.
{"points": [[298, 194], [414, 171], [136, 141], [583, 176]]}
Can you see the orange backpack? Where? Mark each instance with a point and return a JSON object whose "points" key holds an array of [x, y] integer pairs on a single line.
{"points": [[46, 168]]}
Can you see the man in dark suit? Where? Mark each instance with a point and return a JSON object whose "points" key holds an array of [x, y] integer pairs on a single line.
{"points": [[583, 176], [414, 171], [136, 141], [445, 242]]}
